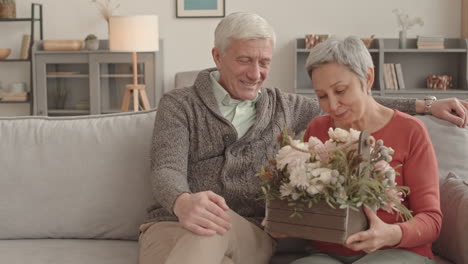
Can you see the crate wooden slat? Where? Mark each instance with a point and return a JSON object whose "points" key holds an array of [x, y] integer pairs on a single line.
{"points": [[320, 222]]}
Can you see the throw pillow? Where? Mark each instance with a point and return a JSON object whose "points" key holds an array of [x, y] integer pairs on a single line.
{"points": [[454, 205]]}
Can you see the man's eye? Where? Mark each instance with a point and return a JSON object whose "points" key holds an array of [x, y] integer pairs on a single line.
{"points": [[265, 63]]}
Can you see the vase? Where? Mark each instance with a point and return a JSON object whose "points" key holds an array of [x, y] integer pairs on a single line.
{"points": [[92, 44], [402, 41]]}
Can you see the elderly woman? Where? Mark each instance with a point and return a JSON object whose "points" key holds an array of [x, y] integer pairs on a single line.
{"points": [[342, 74]]}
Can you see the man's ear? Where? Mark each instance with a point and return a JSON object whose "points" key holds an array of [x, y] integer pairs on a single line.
{"points": [[216, 56]]}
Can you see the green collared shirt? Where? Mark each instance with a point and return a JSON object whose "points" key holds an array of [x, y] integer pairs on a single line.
{"points": [[241, 114]]}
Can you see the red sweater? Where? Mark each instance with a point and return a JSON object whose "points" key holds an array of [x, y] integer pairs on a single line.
{"points": [[413, 148]]}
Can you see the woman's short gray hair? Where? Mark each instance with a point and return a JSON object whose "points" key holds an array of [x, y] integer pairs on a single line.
{"points": [[349, 52], [242, 25]]}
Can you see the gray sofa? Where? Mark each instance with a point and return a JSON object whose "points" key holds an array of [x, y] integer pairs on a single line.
{"points": [[74, 190]]}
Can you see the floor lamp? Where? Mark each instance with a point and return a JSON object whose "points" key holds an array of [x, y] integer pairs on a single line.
{"points": [[134, 34]]}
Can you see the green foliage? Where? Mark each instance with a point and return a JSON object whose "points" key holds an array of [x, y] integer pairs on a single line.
{"points": [[359, 184], [90, 37], [7, 1]]}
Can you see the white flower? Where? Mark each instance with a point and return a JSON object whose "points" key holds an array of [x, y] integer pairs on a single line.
{"points": [[314, 189], [341, 194], [405, 22], [338, 135], [354, 135], [299, 177], [292, 157], [313, 143], [286, 189], [322, 174]]}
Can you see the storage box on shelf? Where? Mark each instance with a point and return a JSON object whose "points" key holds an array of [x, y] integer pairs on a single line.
{"points": [[416, 65], [36, 16], [91, 82]]}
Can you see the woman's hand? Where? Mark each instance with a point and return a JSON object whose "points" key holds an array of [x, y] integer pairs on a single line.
{"points": [[380, 234]]}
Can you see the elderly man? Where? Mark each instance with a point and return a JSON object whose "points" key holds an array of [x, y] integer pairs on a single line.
{"points": [[210, 140]]}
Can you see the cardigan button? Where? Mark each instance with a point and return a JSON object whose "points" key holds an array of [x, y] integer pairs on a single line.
{"points": [[227, 139]]}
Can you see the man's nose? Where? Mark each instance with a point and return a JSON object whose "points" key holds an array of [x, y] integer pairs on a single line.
{"points": [[253, 72]]}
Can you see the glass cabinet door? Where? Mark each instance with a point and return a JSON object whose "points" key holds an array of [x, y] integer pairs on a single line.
{"points": [[114, 77], [114, 72], [67, 89]]}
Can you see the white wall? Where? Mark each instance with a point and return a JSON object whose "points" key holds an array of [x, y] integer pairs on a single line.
{"points": [[188, 41]]}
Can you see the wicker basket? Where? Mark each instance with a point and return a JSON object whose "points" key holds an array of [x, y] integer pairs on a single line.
{"points": [[7, 10]]}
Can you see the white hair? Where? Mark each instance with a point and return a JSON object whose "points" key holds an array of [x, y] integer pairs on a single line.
{"points": [[242, 26], [349, 52]]}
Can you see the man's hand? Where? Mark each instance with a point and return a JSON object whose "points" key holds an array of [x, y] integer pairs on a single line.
{"points": [[380, 234], [451, 109], [203, 213]]}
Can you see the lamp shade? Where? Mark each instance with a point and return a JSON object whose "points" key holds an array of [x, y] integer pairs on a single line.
{"points": [[134, 33]]}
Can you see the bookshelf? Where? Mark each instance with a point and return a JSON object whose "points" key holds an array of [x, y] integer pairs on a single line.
{"points": [[416, 65], [36, 17]]}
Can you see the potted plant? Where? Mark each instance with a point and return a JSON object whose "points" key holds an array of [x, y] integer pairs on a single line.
{"points": [[405, 23], [91, 42], [7, 9], [316, 190]]}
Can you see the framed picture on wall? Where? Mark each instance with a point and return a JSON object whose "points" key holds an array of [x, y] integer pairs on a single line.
{"points": [[200, 8]]}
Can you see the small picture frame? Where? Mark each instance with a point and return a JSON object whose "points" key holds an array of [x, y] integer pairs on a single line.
{"points": [[200, 8]]}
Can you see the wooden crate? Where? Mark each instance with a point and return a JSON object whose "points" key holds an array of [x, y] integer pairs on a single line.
{"points": [[320, 222]]}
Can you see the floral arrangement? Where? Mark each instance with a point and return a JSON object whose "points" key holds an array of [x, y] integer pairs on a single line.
{"points": [[405, 22], [334, 172], [106, 8]]}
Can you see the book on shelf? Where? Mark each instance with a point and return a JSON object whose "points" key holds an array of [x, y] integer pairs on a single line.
{"points": [[25, 47], [394, 77], [430, 42], [388, 77], [399, 74], [14, 97]]}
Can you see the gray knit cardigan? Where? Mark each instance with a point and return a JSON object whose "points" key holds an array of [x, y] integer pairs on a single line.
{"points": [[195, 149]]}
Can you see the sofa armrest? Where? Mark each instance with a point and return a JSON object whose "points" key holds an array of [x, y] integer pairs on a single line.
{"points": [[453, 240]]}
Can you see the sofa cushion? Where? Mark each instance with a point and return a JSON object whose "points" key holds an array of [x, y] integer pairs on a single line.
{"points": [[75, 177], [66, 251], [450, 145], [454, 204]]}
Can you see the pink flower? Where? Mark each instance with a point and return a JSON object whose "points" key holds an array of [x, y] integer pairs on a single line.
{"points": [[390, 204], [382, 166]]}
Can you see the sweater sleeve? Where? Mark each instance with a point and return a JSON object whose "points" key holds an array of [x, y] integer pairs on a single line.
{"points": [[421, 175], [300, 110], [405, 105], [169, 153]]}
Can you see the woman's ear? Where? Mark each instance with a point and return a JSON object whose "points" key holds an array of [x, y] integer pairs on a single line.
{"points": [[370, 79]]}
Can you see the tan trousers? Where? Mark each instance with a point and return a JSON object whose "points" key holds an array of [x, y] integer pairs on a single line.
{"points": [[170, 243]]}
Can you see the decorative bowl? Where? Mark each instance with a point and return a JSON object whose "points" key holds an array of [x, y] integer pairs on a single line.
{"points": [[4, 53], [368, 41]]}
